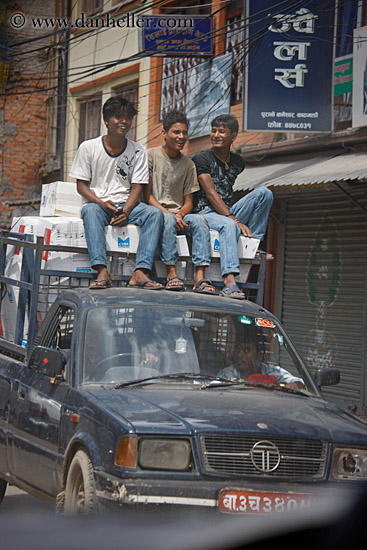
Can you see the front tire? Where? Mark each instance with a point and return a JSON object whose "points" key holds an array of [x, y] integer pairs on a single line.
{"points": [[80, 490]]}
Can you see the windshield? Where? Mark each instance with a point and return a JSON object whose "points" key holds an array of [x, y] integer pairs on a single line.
{"points": [[127, 344]]}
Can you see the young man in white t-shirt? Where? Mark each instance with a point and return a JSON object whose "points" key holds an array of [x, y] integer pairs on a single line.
{"points": [[172, 184], [110, 173]]}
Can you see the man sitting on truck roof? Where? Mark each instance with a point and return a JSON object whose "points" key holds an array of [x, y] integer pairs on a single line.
{"points": [[110, 173], [172, 182], [217, 171]]}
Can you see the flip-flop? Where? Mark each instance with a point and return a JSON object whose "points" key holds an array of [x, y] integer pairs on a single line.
{"points": [[202, 285], [143, 285], [176, 287], [269, 256], [229, 291], [100, 284]]}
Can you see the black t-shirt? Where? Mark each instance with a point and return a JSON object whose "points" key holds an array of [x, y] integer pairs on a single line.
{"points": [[207, 163]]}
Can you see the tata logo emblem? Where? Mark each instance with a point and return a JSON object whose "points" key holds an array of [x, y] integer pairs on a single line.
{"points": [[265, 456]]}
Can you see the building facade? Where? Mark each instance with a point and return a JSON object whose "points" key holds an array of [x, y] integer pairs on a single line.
{"points": [[31, 121], [103, 61]]}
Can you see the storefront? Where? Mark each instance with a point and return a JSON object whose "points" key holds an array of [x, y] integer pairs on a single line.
{"points": [[321, 264]]}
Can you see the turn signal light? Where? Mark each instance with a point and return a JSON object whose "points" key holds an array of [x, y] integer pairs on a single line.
{"points": [[126, 452]]}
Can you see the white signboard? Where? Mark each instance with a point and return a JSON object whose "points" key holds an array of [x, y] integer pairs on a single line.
{"points": [[360, 77]]}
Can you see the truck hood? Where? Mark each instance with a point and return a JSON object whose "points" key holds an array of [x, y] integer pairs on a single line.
{"points": [[171, 410]]}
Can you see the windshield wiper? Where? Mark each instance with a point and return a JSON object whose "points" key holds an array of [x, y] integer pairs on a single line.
{"points": [[279, 387], [225, 382], [177, 376]]}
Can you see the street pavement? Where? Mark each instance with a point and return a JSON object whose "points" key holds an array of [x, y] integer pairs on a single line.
{"points": [[19, 502]]}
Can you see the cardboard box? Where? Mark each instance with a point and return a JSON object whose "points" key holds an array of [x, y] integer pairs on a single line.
{"points": [[122, 239], [69, 231], [9, 302], [247, 246], [60, 198], [59, 231], [183, 247]]}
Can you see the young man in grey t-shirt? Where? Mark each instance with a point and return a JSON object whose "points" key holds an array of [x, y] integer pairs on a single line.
{"points": [[172, 183]]}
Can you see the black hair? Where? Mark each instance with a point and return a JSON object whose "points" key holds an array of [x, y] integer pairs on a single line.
{"points": [[117, 106], [248, 335], [228, 121], [172, 117]]}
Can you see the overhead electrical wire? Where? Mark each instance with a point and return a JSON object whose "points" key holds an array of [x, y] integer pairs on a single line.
{"points": [[217, 33], [97, 68]]}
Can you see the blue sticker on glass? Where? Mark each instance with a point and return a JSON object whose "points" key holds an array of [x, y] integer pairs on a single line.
{"points": [[245, 320]]}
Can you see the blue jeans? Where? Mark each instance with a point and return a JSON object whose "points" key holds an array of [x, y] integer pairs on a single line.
{"points": [[253, 211], [148, 218], [198, 230]]}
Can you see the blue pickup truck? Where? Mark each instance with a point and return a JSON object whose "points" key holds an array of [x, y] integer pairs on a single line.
{"points": [[146, 398]]}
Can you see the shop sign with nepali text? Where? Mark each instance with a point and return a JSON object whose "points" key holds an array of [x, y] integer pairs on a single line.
{"points": [[174, 35], [289, 66]]}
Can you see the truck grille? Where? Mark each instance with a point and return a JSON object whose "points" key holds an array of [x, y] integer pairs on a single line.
{"points": [[252, 456]]}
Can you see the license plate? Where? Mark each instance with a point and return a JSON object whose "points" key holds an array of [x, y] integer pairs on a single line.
{"points": [[239, 501]]}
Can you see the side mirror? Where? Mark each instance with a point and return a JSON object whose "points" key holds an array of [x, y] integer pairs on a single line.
{"points": [[327, 377], [46, 361]]}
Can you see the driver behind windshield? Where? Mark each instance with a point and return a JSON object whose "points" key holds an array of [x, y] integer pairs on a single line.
{"points": [[249, 363]]}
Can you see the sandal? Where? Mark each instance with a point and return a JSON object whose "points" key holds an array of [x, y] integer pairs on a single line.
{"points": [[100, 283], [229, 291], [175, 283], [145, 285], [202, 286]]}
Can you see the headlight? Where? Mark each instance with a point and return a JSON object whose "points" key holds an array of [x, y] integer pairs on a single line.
{"points": [[349, 464], [164, 454]]}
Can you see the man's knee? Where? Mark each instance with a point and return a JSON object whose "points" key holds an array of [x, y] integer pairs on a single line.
{"points": [[228, 229], [263, 194], [228, 225], [197, 222], [169, 221], [153, 213], [91, 209]]}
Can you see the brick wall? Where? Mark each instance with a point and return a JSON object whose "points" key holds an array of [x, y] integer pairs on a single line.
{"points": [[23, 104]]}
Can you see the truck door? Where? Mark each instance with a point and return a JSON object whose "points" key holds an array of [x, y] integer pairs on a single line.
{"points": [[36, 413], [10, 374]]}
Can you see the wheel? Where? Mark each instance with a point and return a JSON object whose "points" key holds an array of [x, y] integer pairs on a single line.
{"points": [[3, 485], [80, 490]]}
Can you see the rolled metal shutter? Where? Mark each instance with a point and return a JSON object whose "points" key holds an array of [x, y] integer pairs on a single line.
{"points": [[324, 289]]}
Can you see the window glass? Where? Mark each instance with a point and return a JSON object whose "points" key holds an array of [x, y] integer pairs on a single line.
{"points": [[125, 344]]}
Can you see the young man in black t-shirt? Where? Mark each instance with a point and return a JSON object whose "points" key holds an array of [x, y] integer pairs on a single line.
{"points": [[217, 170]]}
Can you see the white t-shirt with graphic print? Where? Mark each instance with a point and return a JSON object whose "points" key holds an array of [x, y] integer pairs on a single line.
{"points": [[110, 177]]}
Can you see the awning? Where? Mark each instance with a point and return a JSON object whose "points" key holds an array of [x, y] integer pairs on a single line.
{"points": [[306, 170]]}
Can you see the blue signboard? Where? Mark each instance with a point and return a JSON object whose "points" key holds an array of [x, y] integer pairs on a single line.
{"points": [[174, 35], [208, 93], [289, 66]]}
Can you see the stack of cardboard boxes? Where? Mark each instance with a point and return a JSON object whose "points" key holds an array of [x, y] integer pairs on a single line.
{"points": [[59, 223]]}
